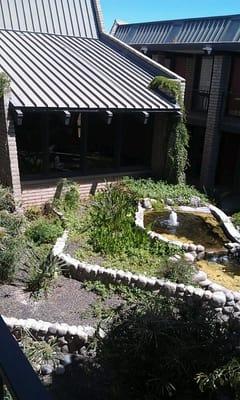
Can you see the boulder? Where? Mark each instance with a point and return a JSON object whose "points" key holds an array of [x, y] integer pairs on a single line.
{"points": [[219, 299]]}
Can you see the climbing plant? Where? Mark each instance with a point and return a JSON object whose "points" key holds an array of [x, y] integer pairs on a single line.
{"points": [[4, 83], [177, 159]]}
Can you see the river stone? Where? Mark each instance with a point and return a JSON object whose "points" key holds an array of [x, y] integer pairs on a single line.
{"points": [[147, 204], [200, 276], [205, 283], [189, 257], [47, 369], [192, 247], [219, 299], [200, 248]]}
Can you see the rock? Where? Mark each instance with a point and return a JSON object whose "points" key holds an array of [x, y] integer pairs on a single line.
{"points": [[200, 276], [60, 370], [169, 202], [189, 257], [201, 255], [192, 247], [147, 204], [47, 369], [207, 295], [66, 360], [200, 248], [219, 299], [236, 296], [195, 201], [214, 287], [173, 259], [198, 293], [170, 288], [205, 283], [65, 349], [228, 310]]}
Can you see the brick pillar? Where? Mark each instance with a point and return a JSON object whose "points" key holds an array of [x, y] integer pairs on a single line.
{"points": [[221, 68], [9, 170], [190, 73], [160, 144]]}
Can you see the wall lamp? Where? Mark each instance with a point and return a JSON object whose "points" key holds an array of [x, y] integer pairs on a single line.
{"points": [[207, 50]]}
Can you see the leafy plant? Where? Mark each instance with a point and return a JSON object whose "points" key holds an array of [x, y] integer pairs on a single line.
{"points": [[154, 349], [162, 191], [227, 376], [6, 199], [33, 213], [236, 219], [10, 250], [4, 83], [44, 231], [43, 269], [12, 223], [179, 272], [179, 137], [39, 353]]}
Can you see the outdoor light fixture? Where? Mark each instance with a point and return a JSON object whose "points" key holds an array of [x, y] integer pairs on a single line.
{"points": [[67, 116], [208, 50], [79, 125], [109, 117], [145, 115], [144, 50], [19, 117]]}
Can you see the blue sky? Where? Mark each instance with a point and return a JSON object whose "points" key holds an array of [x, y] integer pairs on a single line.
{"points": [[151, 10]]}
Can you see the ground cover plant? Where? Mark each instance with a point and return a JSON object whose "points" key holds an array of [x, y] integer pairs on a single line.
{"points": [[108, 236], [161, 348]]}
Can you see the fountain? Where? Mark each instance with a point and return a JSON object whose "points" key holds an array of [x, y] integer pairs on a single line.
{"points": [[173, 219]]}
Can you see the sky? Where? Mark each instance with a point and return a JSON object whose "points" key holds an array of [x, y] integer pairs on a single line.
{"points": [[153, 10]]}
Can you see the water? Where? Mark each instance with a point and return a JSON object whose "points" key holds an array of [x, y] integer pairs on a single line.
{"points": [[191, 228]]}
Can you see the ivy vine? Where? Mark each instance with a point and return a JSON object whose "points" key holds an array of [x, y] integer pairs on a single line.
{"points": [[4, 83], [177, 157]]}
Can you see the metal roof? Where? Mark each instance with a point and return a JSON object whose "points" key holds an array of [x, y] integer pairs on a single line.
{"points": [[223, 29], [65, 17], [56, 71]]}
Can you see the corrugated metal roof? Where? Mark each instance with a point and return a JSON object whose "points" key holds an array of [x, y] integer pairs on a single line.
{"points": [[67, 72], [198, 30], [64, 17]]}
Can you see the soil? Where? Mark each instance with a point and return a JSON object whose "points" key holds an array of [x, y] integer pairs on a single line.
{"points": [[67, 301], [227, 276]]}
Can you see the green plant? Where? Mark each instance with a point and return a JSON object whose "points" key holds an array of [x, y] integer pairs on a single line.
{"points": [[154, 349], [72, 197], [43, 269], [39, 352], [4, 83], [178, 137], [44, 231], [33, 213], [162, 191], [12, 223], [236, 219], [179, 272], [6, 199], [227, 376], [10, 251]]}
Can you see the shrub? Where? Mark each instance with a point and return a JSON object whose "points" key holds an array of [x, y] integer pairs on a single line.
{"points": [[44, 231], [6, 200], [33, 213], [179, 272], [180, 194], [236, 219], [43, 269], [10, 251], [71, 198], [12, 223], [154, 349]]}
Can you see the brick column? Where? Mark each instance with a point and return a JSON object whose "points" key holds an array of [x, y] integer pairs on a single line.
{"points": [[219, 84], [190, 73], [9, 169]]}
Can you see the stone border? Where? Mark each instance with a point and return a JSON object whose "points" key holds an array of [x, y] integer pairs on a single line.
{"points": [[69, 339], [219, 298]]}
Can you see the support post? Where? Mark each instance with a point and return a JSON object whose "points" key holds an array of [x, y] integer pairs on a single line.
{"points": [[118, 141]]}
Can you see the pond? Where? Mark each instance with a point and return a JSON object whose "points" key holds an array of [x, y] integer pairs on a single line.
{"points": [[197, 228], [225, 272]]}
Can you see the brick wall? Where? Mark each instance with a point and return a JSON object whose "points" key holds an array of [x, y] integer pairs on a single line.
{"points": [[9, 170], [221, 68]]}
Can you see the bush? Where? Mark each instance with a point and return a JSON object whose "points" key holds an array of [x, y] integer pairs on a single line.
{"points": [[10, 251], [71, 199], [33, 213], [159, 190], [44, 231], [155, 349], [43, 269], [236, 219], [6, 200], [12, 223], [179, 272]]}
